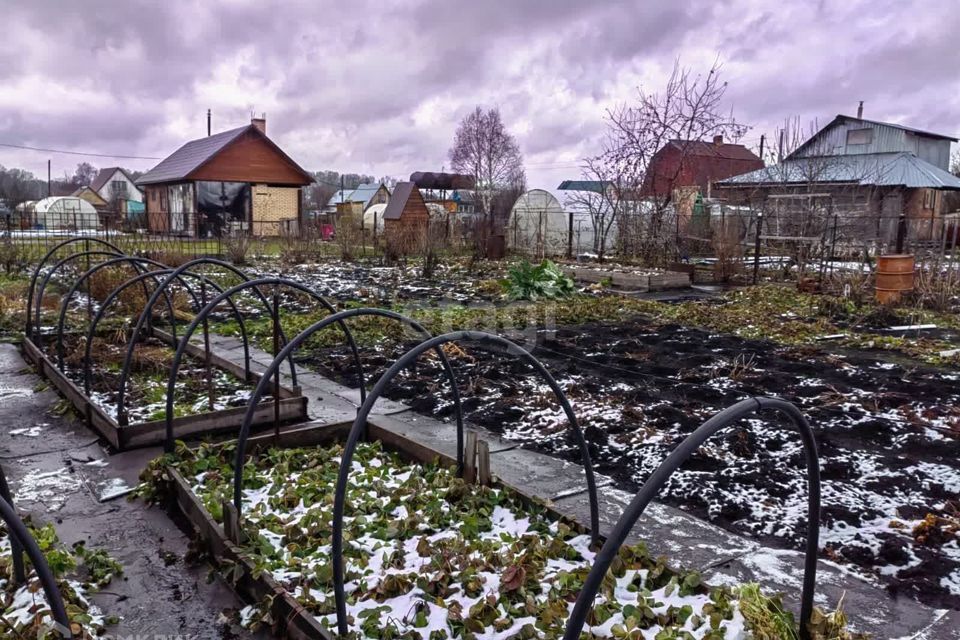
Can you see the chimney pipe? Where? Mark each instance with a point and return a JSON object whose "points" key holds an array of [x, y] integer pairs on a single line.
{"points": [[208, 122], [860, 111], [718, 140], [260, 123]]}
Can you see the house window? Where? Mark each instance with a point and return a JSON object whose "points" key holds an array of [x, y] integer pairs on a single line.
{"points": [[929, 199], [118, 188], [859, 136]]}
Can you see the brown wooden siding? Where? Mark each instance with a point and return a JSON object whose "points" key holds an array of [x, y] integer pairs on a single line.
{"points": [[250, 158]]}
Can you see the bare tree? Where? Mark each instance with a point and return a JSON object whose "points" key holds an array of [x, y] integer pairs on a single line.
{"points": [[483, 148], [600, 203], [85, 174], [689, 109]]}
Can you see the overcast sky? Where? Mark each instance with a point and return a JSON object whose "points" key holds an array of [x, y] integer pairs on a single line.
{"points": [[378, 87]]}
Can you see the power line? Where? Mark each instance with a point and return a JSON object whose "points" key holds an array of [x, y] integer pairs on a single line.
{"points": [[78, 153]]}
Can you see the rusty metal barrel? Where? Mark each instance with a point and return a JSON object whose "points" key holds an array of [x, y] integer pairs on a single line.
{"points": [[894, 276]]}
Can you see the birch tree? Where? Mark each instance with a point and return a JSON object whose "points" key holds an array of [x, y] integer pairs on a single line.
{"points": [[482, 147]]}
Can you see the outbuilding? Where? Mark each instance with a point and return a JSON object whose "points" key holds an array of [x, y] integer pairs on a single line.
{"points": [[237, 180]]}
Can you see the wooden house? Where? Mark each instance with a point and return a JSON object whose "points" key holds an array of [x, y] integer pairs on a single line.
{"points": [[875, 182], [235, 181]]}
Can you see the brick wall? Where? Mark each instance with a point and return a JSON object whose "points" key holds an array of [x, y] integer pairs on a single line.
{"points": [[271, 205]]}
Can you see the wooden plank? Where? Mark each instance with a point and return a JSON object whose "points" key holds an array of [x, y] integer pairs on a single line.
{"points": [[483, 463], [155, 432], [470, 457], [292, 620]]}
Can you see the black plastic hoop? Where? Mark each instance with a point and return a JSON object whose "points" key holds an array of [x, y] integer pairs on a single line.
{"points": [[132, 261], [37, 334], [227, 295], [295, 344], [141, 321], [18, 531], [155, 274], [655, 482], [485, 340], [43, 261]]}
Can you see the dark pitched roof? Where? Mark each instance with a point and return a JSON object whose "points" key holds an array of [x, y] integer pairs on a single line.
{"points": [[401, 193], [598, 186], [179, 164], [64, 188], [710, 149], [105, 174]]}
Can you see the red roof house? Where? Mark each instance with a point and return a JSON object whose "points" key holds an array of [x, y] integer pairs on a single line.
{"points": [[695, 163]]}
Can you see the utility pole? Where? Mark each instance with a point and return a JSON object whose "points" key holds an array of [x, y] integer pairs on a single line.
{"points": [[49, 193], [208, 122], [780, 153], [762, 140]]}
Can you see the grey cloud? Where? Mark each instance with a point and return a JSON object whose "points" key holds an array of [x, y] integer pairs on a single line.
{"points": [[346, 79]]}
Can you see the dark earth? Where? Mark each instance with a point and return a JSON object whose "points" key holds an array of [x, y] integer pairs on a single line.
{"points": [[888, 435]]}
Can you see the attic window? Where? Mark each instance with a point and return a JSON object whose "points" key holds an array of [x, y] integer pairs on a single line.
{"points": [[859, 136]]}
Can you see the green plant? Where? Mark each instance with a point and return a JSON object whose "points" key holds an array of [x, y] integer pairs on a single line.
{"points": [[545, 280]]}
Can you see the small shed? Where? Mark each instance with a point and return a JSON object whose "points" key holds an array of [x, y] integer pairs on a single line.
{"points": [[65, 213], [406, 217]]}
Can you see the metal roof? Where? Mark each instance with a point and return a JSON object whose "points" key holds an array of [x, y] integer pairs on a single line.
{"points": [[401, 193], [364, 192], [919, 132], [879, 169], [583, 185], [727, 150], [182, 162]]}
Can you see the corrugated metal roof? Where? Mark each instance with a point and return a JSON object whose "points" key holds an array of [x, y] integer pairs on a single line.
{"points": [[364, 192], [184, 160], [880, 169], [898, 126]]}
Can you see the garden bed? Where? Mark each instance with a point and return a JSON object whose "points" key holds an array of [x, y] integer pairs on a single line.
{"points": [[888, 434], [79, 572], [634, 281], [428, 556], [145, 402]]}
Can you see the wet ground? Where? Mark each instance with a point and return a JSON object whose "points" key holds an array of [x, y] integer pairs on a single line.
{"points": [[888, 436], [59, 473]]}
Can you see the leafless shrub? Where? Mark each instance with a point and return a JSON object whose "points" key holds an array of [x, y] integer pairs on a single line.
{"points": [[741, 367], [348, 235], [13, 257], [728, 249], [237, 247], [937, 289]]}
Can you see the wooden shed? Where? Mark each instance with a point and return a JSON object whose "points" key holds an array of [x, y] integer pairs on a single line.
{"points": [[406, 218], [237, 180]]}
